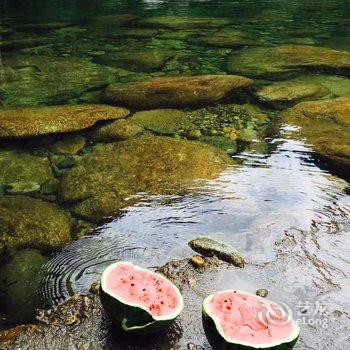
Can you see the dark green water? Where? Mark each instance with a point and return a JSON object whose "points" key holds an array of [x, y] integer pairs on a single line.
{"points": [[280, 185]]}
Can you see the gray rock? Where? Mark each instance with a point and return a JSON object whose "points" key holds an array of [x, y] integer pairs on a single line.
{"points": [[210, 247]]}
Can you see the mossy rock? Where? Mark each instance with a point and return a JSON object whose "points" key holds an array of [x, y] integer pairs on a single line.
{"points": [[288, 60], [226, 144], [234, 39], [178, 22], [40, 80], [118, 130], [20, 278], [162, 121], [174, 92], [21, 167], [33, 223], [103, 183], [326, 126], [137, 60], [37, 121], [68, 145]]}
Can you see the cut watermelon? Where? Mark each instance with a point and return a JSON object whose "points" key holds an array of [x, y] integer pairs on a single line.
{"points": [[137, 300], [236, 320]]}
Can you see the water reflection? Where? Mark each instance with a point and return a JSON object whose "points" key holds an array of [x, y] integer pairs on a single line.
{"points": [[249, 207]]}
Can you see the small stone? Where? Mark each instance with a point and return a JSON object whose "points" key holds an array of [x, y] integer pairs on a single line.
{"points": [[70, 145], [72, 320], [262, 293], [95, 288], [210, 247], [193, 134], [191, 346], [197, 261]]}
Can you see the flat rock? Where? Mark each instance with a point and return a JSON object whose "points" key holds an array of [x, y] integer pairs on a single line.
{"points": [[138, 61], [210, 247], [325, 124], [226, 38], [22, 167], [36, 121], [288, 60], [178, 22], [118, 130], [173, 92], [33, 223], [37, 80], [103, 182], [286, 94]]}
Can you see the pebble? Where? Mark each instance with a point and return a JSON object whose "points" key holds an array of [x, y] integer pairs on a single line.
{"points": [[262, 293]]}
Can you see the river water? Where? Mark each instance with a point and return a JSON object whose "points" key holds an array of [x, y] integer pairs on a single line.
{"points": [[278, 186]]}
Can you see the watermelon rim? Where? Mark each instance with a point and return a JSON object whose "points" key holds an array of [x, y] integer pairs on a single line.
{"points": [[206, 310], [166, 317]]}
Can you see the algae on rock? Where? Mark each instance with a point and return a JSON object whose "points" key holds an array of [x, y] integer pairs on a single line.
{"points": [[33, 223], [103, 182]]}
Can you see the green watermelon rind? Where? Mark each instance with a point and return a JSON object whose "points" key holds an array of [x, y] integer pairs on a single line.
{"points": [[217, 339], [134, 318]]}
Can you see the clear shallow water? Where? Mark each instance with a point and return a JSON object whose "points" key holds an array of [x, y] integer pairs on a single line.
{"points": [[280, 189], [249, 206]]}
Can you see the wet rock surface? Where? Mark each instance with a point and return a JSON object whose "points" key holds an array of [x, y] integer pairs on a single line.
{"points": [[101, 183], [33, 223], [31, 121], [37, 80], [288, 60], [168, 92], [326, 125], [210, 247]]}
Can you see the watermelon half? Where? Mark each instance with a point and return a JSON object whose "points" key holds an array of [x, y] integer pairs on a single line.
{"points": [[137, 300], [236, 320]]}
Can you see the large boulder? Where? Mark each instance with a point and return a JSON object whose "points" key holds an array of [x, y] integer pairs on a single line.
{"points": [[288, 60], [36, 121], [102, 183], [168, 92], [33, 223], [326, 125], [181, 22], [38, 80]]}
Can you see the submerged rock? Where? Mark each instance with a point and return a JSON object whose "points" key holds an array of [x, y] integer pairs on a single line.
{"points": [[36, 80], [69, 145], [20, 278], [178, 22], [286, 94], [326, 125], [33, 223], [22, 187], [226, 38], [210, 247], [35, 121], [102, 183], [162, 121], [138, 61], [22, 167], [287, 60], [172, 92], [118, 130]]}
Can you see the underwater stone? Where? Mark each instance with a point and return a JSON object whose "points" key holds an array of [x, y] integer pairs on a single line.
{"points": [[326, 125], [286, 94], [22, 187], [22, 167], [33, 223], [35, 121], [288, 60], [20, 278], [103, 182], [68, 145], [37, 80], [178, 22], [172, 92], [118, 130]]}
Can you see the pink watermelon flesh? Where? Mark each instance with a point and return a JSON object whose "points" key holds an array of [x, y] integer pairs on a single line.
{"points": [[247, 318], [135, 286]]}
